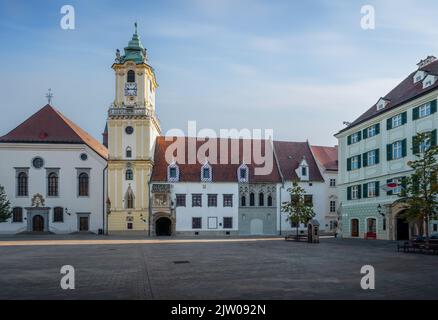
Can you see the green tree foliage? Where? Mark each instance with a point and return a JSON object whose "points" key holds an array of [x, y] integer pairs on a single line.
{"points": [[420, 192], [5, 206], [297, 209]]}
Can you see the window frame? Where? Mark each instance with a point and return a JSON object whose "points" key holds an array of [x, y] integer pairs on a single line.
{"points": [[399, 149], [58, 215], [212, 200], [83, 182], [227, 200], [196, 223], [196, 200], [227, 223], [14, 217], [180, 200]]}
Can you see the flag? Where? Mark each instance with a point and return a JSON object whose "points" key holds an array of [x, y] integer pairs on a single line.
{"points": [[390, 186]]}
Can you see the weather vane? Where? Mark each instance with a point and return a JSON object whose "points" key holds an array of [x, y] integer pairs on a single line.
{"points": [[49, 96]]}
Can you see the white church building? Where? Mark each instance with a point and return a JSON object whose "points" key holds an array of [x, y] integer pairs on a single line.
{"points": [[54, 175]]}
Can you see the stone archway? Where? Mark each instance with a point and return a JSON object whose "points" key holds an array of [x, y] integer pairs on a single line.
{"points": [[163, 227]]}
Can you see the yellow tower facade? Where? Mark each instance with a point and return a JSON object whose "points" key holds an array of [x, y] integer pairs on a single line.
{"points": [[132, 131]]}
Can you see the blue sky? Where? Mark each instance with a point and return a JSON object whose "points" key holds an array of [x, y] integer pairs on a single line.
{"points": [[298, 67]]}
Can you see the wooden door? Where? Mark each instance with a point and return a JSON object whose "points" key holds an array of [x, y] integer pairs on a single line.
{"points": [[83, 223], [38, 224], [355, 228]]}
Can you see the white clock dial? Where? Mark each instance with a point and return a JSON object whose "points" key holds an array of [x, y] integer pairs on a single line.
{"points": [[130, 89]]}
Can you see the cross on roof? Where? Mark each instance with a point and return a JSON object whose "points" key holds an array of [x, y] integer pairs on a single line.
{"points": [[49, 96]]}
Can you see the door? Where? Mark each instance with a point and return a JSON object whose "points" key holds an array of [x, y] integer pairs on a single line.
{"points": [[83, 224], [256, 227], [402, 229], [355, 228], [163, 227], [38, 224]]}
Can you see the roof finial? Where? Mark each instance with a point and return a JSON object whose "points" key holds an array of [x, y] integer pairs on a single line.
{"points": [[49, 96], [135, 24]]}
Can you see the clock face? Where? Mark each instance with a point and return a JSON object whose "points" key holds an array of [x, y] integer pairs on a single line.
{"points": [[130, 89]]}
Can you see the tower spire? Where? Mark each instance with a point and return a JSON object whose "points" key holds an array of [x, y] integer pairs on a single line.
{"points": [[135, 25]]}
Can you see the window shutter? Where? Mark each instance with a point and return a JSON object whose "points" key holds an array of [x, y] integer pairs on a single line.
{"points": [[359, 135], [365, 190], [377, 151], [433, 138], [416, 113], [359, 161], [349, 164], [389, 193], [404, 148], [365, 133], [389, 152], [365, 159], [349, 140], [433, 106], [404, 117], [349, 193], [377, 128], [360, 191], [377, 188], [403, 182], [415, 145], [389, 124]]}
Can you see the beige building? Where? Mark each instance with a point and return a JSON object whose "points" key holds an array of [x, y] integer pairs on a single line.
{"points": [[132, 129]]}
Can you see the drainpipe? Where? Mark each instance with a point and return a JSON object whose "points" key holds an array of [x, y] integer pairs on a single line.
{"points": [[105, 197], [149, 204]]}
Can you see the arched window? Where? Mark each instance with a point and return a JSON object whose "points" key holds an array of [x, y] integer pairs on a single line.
{"points": [[17, 214], [131, 76], [129, 175], [261, 199], [243, 201], [128, 152], [269, 201], [129, 201], [52, 185], [22, 185], [58, 214], [83, 185], [252, 199]]}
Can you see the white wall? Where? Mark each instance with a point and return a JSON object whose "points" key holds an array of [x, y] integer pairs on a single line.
{"points": [[67, 159], [184, 215], [317, 190]]}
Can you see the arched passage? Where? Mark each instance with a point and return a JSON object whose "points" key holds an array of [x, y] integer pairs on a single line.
{"points": [[163, 227], [38, 224], [402, 227]]}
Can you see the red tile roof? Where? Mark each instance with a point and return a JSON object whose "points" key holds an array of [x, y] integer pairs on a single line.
{"points": [[290, 155], [327, 157], [48, 125], [221, 172], [406, 91]]}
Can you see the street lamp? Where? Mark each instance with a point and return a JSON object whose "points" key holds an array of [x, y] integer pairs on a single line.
{"points": [[379, 210]]}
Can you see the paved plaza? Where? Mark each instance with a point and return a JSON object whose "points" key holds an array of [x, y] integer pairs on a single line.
{"points": [[171, 268]]}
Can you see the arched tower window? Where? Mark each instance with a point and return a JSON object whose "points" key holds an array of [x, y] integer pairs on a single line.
{"points": [[129, 175], [131, 76], [129, 200], [128, 152]]}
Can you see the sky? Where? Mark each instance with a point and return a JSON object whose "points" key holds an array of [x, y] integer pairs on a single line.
{"points": [[300, 68]]}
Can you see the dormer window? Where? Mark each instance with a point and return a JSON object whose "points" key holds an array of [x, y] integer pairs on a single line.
{"points": [[381, 104], [206, 173], [303, 170], [428, 81], [242, 173], [173, 173], [419, 76]]}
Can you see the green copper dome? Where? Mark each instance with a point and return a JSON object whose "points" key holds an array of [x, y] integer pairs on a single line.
{"points": [[134, 51]]}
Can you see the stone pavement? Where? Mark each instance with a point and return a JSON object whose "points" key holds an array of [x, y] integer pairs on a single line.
{"points": [[242, 268]]}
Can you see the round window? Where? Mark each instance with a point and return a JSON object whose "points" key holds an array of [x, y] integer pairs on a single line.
{"points": [[129, 130], [38, 162], [84, 156]]}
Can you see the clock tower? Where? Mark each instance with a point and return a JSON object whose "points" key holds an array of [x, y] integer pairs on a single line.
{"points": [[132, 130]]}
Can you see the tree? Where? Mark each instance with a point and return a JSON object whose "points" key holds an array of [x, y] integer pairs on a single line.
{"points": [[297, 209], [420, 192], [5, 206]]}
